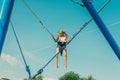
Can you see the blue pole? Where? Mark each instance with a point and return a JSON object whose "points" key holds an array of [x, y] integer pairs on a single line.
{"points": [[102, 27], [5, 12]]}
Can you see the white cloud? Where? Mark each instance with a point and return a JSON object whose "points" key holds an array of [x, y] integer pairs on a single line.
{"points": [[28, 54], [9, 59]]}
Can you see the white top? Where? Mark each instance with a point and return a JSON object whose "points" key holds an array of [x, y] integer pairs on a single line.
{"points": [[62, 39]]}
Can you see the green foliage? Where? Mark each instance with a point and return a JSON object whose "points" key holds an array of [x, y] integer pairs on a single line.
{"points": [[4, 79], [90, 78], [39, 77], [70, 76], [74, 76]]}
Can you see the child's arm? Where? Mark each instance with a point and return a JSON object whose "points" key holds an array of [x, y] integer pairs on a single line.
{"points": [[55, 40]]}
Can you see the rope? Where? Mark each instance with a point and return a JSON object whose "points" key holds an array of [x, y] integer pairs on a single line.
{"points": [[26, 66], [34, 14], [78, 3], [88, 21], [41, 69], [74, 35]]}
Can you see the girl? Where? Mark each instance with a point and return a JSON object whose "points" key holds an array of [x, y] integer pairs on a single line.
{"points": [[61, 40]]}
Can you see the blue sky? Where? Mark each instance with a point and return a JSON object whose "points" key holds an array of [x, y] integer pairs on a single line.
{"points": [[88, 54]]}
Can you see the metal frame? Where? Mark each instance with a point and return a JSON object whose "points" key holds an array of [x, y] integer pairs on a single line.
{"points": [[4, 20], [102, 27]]}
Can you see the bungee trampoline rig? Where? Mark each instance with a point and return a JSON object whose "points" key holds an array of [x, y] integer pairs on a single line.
{"points": [[6, 9]]}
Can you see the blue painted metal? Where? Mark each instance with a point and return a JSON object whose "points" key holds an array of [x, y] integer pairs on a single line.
{"points": [[5, 12], [102, 27]]}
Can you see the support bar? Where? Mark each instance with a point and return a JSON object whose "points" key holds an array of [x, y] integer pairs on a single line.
{"points": [[102, 27], [5, 13]]}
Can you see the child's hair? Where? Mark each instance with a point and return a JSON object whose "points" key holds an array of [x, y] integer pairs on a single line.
{"points": [[63, 32]]}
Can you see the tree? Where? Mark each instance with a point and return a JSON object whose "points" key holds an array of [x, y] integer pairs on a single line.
{"points": [[4, 79], [70, 76], [90, 78], [39, 77], [74, 76]]}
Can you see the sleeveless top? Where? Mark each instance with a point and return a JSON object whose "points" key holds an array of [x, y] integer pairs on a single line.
{"points": [[61, 41]]}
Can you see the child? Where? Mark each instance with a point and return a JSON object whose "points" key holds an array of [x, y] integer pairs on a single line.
{"points": [[61, 40]]}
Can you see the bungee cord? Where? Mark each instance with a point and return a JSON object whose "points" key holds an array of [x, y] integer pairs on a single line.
{"points": [[35, 15], [21, 52], [88, 21], [71, 38]]}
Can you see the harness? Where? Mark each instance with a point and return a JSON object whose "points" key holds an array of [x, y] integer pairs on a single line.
{"points": [[61, 45]]}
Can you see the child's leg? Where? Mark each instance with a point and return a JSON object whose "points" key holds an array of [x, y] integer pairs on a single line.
{"points": [[65, 58], [56, 60]]}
